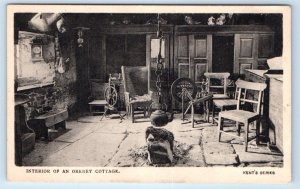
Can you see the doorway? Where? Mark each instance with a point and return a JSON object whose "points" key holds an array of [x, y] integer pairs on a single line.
{"points": [[223, 53], [124, 50]]}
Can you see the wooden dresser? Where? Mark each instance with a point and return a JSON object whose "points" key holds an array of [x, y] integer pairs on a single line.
{"points": [[271, 124], [275, 119]]}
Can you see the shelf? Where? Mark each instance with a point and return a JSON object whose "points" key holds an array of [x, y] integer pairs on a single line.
{"points": [[34, 86]]}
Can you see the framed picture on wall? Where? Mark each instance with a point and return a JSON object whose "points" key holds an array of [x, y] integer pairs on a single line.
{"points": [[36, 52]]}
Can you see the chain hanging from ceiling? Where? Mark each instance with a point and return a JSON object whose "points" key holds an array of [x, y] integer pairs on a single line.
{"points": [[159, 63], [159, 117]]}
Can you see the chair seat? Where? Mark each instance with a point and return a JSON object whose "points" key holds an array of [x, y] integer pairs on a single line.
{"points": [[98, 102], [141, 99], [220, 96], [239, 115], [225, 102]]}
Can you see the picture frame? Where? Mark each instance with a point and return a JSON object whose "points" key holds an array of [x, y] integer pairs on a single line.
{"points": [[36, 52]]}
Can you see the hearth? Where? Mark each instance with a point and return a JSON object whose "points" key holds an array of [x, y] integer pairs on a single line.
{"points": [[160, 144]]}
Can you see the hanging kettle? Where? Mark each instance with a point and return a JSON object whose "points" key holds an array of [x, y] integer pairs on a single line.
{"points": [[160, 118]]}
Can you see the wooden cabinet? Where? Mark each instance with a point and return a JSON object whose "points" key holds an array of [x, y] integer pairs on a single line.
{"points": [[275, 119], [193, 56], [265, 46], [265, 49], [272, 112], [194, 48], [245, 52], [252, 51]]}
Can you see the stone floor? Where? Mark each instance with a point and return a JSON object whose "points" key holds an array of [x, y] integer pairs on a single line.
{"points": [[91, 142]]}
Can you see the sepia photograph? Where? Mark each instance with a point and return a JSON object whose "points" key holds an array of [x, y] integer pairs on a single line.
{"points": [[138, 93]]}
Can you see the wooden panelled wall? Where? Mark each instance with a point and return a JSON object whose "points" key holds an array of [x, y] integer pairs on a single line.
{"points": [[188, 49]]}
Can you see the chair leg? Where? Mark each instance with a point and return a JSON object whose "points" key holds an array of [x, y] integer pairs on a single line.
{"points": [[144, 109], [127, 111], [246, 135], [220, 127], [213, 113], [257, 131], [208, 110], [192, 109], [132, 113], [238, 128], [91, 109], [149, 111]]}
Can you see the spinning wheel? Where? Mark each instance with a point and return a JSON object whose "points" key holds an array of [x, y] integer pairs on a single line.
{"points": [[183, 89], [111, 96]]}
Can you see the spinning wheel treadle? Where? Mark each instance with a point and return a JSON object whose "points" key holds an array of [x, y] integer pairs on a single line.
{"points": [[183, 89]]}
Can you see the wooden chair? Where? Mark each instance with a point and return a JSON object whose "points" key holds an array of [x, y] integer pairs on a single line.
{"points": [[135, 80], [97, 102], [224, 104], [218, 84], [244, 116]]}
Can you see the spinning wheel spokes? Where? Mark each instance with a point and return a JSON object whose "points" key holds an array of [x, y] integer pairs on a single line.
{"points": [[183, 88], [111, 95]]}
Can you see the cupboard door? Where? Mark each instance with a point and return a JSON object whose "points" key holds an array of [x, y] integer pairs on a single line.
{"points": [[182, 49], [193, 56], [265, 49], [202, 60], [265, 45], [246, 52]]}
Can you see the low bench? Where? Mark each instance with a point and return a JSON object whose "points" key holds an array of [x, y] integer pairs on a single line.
{"points": [[52, 119]]}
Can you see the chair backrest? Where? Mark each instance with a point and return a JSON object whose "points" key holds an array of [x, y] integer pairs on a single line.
{"points": [[135, 79], [97, 89], [246, 94], [115, 79], [217, 82]]}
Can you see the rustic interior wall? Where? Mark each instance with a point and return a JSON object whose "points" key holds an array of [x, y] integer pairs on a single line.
{"points": [[61, 95]]}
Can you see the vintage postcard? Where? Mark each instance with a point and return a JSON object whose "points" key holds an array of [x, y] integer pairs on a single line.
{"points": [[144, 93]]}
